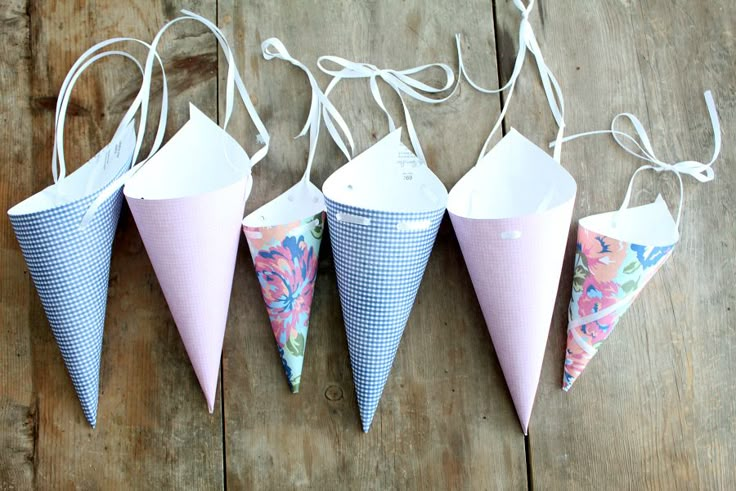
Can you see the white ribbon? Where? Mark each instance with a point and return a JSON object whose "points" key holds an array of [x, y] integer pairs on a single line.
{"points": [[400, 81], [233, 80], [89, 57], [320, 106], [552, 90], [643, 150]]}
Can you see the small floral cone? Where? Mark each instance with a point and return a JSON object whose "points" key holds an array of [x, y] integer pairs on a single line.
{"points": [[609, 275], [285, 258]]}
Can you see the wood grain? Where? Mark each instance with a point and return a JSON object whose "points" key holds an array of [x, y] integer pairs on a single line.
{"points": [[655, 407], [445, 418], [17, 401]]}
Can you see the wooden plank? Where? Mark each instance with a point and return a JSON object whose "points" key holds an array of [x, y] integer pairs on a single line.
{"points": [[445, 417], [654, 409], [17, 403], [153, 426]]}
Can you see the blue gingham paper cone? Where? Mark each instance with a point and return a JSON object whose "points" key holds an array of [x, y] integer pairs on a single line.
{"points": [[379, 270], [70, 265], [384, 208]]}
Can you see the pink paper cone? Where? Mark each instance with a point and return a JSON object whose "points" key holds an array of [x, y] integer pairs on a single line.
{"points": [[609, 275], [192, 237], [514, 253]]}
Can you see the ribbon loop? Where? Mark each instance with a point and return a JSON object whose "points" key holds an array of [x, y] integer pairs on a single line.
{"points": [[320, 107], [88, 58], [141, 103], [643, 149], [401, 81]]}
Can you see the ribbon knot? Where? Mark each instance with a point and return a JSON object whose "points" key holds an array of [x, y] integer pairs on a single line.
{"points": [[644, 150], [525, 10], [401, 81], [320, 107], [640, 146], [552, 90]]}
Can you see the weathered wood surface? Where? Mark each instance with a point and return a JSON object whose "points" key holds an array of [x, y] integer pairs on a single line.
{"points": [[17, 401], [655, 409]]}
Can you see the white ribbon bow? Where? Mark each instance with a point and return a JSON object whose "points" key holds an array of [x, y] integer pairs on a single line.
{"points": [[320, 107], [552, 90], [399, 80], [643, 150]]}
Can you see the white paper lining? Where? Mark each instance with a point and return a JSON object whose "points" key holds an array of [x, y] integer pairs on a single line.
{"points": [[201, 157], [96, 173], [387, 177], [516, 178], [650, 225]]}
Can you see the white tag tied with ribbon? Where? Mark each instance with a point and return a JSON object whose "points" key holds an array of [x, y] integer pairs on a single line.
{"points": [[511, 214], [384, 208], [285, 234], [188, 202], [619, 252], [69, 260]]}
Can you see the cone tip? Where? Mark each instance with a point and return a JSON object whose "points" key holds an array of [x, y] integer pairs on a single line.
{"points": [[294, 389], [91, 416], [567, 382], [211, 406]]}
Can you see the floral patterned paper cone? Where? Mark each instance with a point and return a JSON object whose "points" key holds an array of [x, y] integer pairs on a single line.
{"points": [[188, 202], [70, 266], [285, 258], [609, 274], [511, 214]]}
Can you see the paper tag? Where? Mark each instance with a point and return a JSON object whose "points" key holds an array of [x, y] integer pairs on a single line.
{"points": [[407, 162]]}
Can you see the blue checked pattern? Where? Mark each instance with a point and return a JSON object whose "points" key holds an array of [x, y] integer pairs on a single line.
{"points": [[70, 269], [379, 269]]}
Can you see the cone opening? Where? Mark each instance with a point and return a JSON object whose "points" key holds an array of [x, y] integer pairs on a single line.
{"points": [[650, 224], [89, 179], [301, 200], [387, 177], [516, 178], [200, 158]]}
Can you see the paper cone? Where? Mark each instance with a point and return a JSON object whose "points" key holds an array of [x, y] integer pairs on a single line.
{"points": [[70, 266], [617, 254], [384, 209], [511, 214], [188, 202], [285, 252]]}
